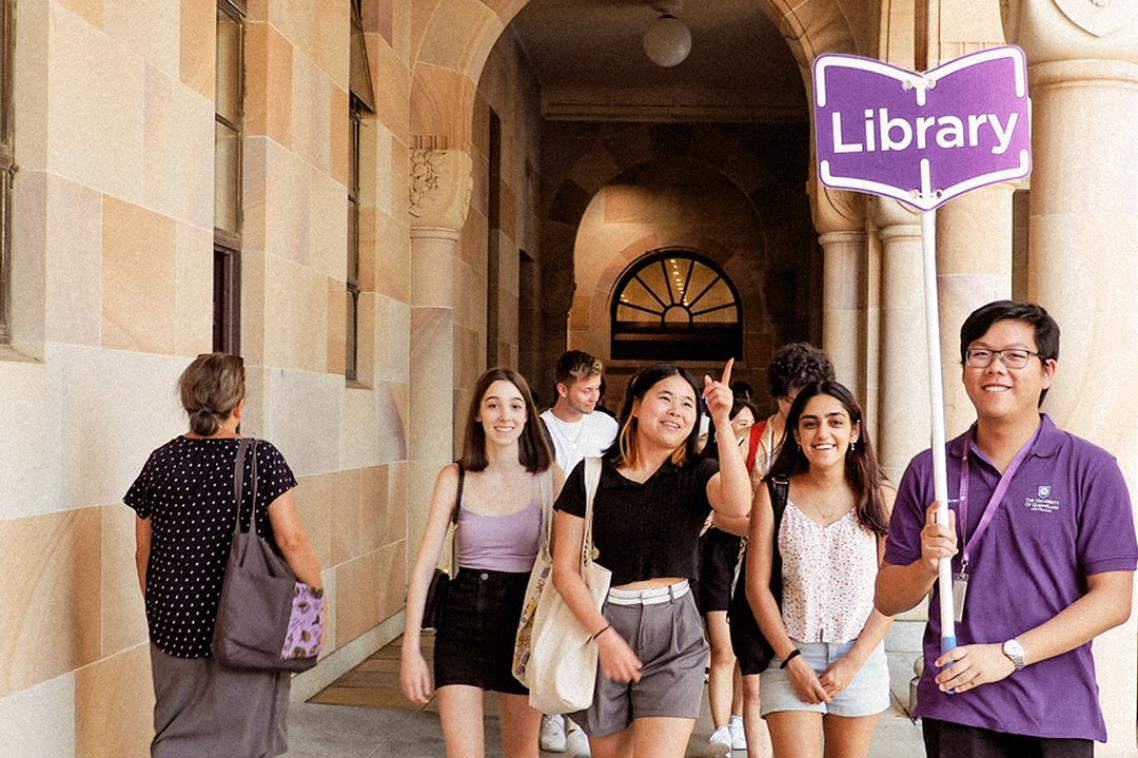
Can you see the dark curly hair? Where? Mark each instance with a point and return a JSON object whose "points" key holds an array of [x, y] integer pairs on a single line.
{"points": [[796, 365]]}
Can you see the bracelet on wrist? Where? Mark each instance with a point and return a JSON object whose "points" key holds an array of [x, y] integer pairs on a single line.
{"points": [[593, 637], [789, 658]]}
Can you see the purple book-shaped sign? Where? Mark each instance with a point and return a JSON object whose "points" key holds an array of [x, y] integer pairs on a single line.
{"points": [[925, 138]]}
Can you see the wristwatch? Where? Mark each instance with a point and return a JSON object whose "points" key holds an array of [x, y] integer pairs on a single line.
{"points": [[1013, 650]]}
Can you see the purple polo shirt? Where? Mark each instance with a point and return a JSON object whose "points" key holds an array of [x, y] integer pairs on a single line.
{"points": [[1067, 514]]}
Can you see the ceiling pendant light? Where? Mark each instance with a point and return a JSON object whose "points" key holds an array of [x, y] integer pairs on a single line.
{"points": [[667, 41]]}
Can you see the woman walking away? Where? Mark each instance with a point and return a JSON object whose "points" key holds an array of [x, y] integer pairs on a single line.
{"points": [[653, 497], [496, 488], [829, 677], [184, 501]]}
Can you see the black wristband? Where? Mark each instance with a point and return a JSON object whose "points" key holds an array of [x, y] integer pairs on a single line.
{"points": [[593, 638], [790, 658]]}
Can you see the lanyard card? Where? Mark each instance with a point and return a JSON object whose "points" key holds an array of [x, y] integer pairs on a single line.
{"points": [[959, 592]]}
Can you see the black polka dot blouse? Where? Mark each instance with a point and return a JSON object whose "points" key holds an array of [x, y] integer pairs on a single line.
{"points": [[186, 490]]}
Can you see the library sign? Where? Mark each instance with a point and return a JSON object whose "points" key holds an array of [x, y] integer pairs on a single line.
{"points": [[926, 138]]}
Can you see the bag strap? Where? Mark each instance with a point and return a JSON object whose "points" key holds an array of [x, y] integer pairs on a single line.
{"points": [[779, 489], [545, 492], [592, 481], [458, 494], [244, 445]]}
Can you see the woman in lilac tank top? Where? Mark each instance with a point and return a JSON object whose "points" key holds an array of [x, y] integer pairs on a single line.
{"points": [[829, 676], [497, 489]]}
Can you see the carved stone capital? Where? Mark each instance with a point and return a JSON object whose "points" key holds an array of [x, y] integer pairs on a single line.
{"points": [[1064, 30], [837, 211], [440, 188], [888, 214]]}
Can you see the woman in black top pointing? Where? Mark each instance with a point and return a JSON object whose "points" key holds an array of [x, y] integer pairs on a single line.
{"points": [[653, 497]]}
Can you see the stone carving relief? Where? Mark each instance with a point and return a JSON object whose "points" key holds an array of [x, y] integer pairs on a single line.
{"points": [[1099, 17], [440, 188], [838, 211], [1109, 29]]}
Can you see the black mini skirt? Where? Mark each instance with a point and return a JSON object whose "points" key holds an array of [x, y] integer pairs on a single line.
{"points": [[475, 641]]}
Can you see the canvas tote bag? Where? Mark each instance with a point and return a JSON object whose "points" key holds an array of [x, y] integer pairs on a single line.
{"points": [[540, 576], [266, 619], [562, 667]]}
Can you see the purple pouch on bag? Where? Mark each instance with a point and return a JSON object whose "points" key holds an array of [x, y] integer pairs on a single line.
{"points": [[303, 637]]}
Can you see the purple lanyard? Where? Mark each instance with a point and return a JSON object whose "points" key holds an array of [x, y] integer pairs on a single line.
{"points": [[993, 502]]}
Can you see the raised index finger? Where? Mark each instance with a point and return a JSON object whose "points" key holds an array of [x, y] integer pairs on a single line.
{"points": [[726, 379]]}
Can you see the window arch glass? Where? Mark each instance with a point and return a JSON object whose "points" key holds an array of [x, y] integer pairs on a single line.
{"points": [[676, 305]]}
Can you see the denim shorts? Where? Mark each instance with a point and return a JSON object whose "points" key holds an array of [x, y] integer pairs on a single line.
{"points": [[866, 695], [666, 633], [475, 642]]}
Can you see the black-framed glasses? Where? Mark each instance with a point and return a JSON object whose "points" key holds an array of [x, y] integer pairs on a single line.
{"points": [[1012, 357]]}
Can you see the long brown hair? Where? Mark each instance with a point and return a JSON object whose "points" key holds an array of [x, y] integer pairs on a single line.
{"points": [[533, 450], [862, 471]]}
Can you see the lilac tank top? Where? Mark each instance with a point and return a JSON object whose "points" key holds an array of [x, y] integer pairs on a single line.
{"points": [[499, 543]]}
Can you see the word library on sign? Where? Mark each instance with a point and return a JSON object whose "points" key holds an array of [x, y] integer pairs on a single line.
{"points": [[882, 132]]}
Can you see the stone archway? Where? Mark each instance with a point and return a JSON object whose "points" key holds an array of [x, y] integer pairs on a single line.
{"points": [[449, 44], [451, 39]]}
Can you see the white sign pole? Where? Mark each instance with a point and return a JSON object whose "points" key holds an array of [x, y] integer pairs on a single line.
{"points": [[936, 407]]}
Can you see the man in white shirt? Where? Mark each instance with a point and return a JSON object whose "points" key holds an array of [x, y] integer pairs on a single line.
{"points": [[574, 429], [575, 433]]}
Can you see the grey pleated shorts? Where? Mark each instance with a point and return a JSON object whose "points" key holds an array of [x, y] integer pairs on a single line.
{"points": [[203, 709], [668, 639]]}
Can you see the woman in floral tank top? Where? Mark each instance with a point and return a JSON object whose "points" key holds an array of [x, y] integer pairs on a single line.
{"points": [[829, 674]]}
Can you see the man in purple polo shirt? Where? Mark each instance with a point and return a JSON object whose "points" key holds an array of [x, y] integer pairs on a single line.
{"points": [[1047, 555]]}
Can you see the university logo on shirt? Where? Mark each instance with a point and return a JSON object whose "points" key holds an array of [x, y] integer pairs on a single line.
{"points": [[1044, 503]]}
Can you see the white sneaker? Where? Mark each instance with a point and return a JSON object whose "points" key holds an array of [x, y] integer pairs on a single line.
{"points": [[576, 742], [720, 742], [738, 736], [553, 734]]}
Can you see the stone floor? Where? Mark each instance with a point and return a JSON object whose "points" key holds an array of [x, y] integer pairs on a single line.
{"points": [[364, 715]]}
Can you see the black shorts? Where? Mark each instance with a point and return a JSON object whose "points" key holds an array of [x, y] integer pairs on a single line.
{"points": [[751, 648], [944, 739], [475, 641], [718, 556]]}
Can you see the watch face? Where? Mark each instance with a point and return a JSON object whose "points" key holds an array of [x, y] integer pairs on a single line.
{"points": [[1014, 650]]}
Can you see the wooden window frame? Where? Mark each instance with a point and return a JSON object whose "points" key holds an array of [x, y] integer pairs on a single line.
{"points": [[645, 341], [227, 243], [8, 168], [360, 100], [352, 283]]}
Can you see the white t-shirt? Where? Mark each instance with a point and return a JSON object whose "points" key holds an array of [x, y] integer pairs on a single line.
{"points": [[573, 442]]}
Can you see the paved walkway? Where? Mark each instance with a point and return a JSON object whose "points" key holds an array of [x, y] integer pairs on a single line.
{"points": [[364, 715]]}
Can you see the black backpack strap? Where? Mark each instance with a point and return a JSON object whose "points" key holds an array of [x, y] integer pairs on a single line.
{"points": [[779, 489]]}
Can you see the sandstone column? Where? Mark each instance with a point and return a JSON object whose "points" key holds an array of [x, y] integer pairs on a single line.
{"points": [[1083, 249], [440, 189], [974, 267], [974, 231], [839, 218], [903, 408]]}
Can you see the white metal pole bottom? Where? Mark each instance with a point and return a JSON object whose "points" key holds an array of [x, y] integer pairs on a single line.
{"points": [[936, 407]]}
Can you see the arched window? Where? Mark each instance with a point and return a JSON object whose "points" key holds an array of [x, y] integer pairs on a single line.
{"points": [[676, 305]]}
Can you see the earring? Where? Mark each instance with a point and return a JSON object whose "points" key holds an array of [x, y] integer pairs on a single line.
{"points": [[853, 446]]}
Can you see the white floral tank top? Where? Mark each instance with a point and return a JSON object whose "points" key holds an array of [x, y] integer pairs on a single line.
{"points": [[828, 573]]}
